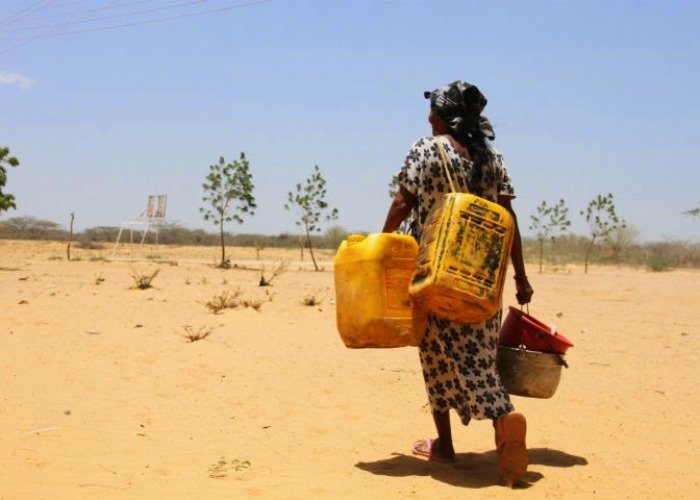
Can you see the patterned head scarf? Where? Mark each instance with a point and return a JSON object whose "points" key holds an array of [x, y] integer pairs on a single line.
{"points": [[460, 104]]}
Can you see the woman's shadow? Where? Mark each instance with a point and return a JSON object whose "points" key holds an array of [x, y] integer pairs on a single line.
{"points": [[472, 470]]}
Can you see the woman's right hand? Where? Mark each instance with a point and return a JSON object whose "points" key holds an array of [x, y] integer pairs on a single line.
{"points": [[524, 291]]}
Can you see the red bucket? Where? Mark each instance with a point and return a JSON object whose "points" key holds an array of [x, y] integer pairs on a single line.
{"points": [[521, 328]]}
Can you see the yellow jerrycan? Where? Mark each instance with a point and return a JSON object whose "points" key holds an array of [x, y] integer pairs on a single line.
{"points": [[463, 258], [373, 307]]}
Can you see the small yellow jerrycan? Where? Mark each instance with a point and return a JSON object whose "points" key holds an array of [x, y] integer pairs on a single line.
{"points": [[373, 307], [463, 258]]}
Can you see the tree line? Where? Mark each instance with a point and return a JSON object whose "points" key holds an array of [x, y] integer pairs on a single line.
{"points": [[229, 198]]}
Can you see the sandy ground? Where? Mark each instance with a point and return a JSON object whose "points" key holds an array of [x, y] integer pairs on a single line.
{"points": [[102, 396]]}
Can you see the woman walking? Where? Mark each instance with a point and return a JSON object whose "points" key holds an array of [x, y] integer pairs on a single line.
{"points": [[459, 360]]}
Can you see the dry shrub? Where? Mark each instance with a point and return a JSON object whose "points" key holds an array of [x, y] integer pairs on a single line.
{"points": [[89, 245], [277, 269], [143, 280], [311, 300], [221, 468], [201, 333], [255, 304], [223, 300]]}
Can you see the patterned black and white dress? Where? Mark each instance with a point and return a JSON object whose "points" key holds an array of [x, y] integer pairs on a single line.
{"points": [[458, 360]]}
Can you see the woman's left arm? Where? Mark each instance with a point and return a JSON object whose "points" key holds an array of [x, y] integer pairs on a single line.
{"points": [[400, 207], [522, 285]]}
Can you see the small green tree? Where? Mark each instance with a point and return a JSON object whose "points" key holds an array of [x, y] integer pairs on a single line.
{"points": [[228, 191], [393, 186], [548, 221], [693, 212], [602, 219], [7, 201], [310, 200]]}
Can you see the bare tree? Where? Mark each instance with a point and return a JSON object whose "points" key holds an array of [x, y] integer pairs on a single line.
{"points": [[70, 236]]}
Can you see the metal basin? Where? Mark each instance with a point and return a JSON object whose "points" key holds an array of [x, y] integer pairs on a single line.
{"points": [[531, 374]]}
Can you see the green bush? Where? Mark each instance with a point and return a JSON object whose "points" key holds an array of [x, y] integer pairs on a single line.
{"points": [[659, 263]]}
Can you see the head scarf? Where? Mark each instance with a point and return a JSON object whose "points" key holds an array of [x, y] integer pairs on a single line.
{"points": [[460, 104]]}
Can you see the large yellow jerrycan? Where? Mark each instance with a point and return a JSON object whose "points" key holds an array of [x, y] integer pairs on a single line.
{"points": [[463, 258], [373, 307]]}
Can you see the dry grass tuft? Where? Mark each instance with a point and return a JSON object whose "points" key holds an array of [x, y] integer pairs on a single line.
{"points": [[142, 280], [224, 300], [201, 333], [277, 269], [221, 468], [255, 304]]}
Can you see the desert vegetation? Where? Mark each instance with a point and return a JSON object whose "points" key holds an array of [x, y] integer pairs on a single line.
{"points": [[7, 200], [266, 276], [619, 247], [143, 280], [693, 212], [547, 222], [601, 217], [228, 195], [228, 299], [192, 335], [309, 201]]}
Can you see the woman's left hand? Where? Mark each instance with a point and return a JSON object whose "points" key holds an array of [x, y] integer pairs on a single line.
{"points": [[524, 290]]}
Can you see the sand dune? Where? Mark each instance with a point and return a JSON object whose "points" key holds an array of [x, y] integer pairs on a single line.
{"points": [[103, 397]]}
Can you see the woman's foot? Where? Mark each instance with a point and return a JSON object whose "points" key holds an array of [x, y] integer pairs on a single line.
{"points": [[434, 450], [510, 447]]}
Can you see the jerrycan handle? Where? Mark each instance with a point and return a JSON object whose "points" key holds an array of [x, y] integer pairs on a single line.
{"points": [[354, 238], [542, 336]]}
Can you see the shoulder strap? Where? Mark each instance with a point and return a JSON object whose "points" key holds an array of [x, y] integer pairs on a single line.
{"points": [[443, 156]]}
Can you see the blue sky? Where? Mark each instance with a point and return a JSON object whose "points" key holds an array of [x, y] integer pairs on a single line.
{"points": [[586, 98]]}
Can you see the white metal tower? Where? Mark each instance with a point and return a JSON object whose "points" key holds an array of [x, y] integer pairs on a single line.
{"points": [[149, 219]]}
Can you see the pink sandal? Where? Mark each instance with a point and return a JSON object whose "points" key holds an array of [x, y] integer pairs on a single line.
{"points": [[424, 448]]}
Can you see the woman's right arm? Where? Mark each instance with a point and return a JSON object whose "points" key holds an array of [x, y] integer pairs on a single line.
{"points": [[400, 207], [405, 200]]}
